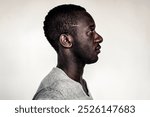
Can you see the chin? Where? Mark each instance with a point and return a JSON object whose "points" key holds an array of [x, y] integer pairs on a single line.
{"points": [[92, 61]]}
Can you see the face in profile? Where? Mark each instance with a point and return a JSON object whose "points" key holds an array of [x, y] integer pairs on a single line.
{"points": [[87, 41]]}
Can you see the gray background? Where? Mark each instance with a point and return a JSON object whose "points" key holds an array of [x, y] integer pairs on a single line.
{"points": [[123, 69]]}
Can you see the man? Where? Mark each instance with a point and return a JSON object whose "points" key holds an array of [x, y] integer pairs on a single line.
{"points": [[70, 29]]}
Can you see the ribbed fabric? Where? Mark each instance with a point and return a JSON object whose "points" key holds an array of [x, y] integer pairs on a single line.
{"points": [[58, 86]]}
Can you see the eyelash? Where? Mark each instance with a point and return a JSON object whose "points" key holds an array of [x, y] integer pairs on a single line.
{"points": [[91, 31]]}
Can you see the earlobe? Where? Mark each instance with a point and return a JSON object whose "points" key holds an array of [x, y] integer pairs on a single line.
{"points": [[65, 40]]}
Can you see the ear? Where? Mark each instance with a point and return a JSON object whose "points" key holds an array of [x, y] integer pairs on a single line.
{"points": [[65, 40]]}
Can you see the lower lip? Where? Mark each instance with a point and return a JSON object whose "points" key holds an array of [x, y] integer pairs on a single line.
{"points": [[98, 51]]}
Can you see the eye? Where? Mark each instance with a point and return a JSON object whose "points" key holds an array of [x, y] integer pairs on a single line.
{"points": [[90, 32]]}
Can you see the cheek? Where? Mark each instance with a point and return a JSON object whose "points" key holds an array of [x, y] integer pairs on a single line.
{"points": [[89, 45], [84, 44]]}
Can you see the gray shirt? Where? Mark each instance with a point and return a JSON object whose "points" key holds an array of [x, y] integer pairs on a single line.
{"points": [[58, 86]]}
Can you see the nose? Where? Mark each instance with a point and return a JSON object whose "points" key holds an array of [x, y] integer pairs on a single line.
{"points": [[98, 38]]}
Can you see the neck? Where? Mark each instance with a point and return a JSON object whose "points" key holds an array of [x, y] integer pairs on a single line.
{"points": [[71, 66]]}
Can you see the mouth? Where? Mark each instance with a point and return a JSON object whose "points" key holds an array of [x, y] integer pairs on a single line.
{"points": [[97, 49]]}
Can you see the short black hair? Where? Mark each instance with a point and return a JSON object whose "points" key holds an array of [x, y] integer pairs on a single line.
{"points": [[59, 21]]}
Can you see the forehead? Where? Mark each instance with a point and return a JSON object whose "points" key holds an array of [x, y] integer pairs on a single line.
{"points": [[86, 20]]}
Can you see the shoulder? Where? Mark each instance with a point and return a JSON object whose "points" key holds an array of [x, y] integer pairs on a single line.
{"points": [[60, 90], [48, 93], [57, 85]]}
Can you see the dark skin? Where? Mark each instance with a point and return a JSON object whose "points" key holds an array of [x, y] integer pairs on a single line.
{"points": [[77, 51]]}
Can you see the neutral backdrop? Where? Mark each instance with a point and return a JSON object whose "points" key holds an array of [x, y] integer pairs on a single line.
{"points": [[123, 69]]}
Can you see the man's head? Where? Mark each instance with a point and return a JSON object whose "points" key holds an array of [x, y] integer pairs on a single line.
{"points": [[72, 27], [60, 20]]}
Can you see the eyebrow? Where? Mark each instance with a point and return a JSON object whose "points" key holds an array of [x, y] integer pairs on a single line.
{"points": [[92, 26]]}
